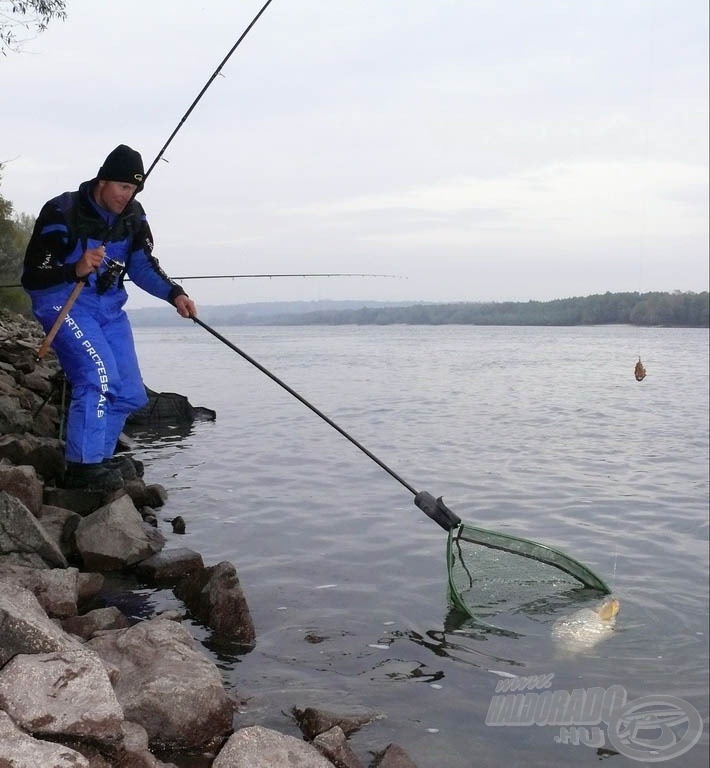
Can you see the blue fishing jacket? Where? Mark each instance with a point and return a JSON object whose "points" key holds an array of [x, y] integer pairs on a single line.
{"points": [[70, 224]]}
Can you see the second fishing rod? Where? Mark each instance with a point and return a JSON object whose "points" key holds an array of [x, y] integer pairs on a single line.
{"points": [[115, 268]]}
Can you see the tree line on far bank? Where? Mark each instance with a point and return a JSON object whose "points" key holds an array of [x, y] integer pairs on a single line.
{"points": [[676, 309]]}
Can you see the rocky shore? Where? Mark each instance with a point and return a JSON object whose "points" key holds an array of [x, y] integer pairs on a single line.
{"points": [[81, 684]]}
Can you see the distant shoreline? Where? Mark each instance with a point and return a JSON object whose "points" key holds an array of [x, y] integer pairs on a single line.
{"points": [[657, 309]]}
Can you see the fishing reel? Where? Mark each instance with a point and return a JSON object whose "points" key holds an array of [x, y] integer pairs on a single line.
{"points": [[109, 276]]}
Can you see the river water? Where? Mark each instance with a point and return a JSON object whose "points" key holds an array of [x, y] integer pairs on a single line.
{"points": [[538, 432]]}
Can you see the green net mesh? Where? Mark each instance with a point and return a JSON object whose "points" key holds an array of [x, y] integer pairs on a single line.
{"points": [[492, 573]]}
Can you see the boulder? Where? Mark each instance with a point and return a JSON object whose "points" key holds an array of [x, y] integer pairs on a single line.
{"points": [[56, 589], [22, 483], [166, 685], [333, 745], [45, 454], [170, 565], [22, 751], [22, 538], [215, 598], [114, 537], [60, 524], [313, 721], [393, 756], [98, 620], [26, 628], [13, 417], [258, 747], [70, 696]]}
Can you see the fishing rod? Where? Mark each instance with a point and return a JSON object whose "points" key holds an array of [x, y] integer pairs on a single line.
{"points": [[434, 508], [465, 542], [42, 351], [269, 276]]}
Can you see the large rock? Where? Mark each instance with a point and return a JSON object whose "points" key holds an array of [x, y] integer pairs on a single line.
{"points": [[45, 454], [170, 565], [166, 685], [114, 537], [22, 751], [214, 596], [333, 745], [26, 628], [22, 539], [70, 696], [57, 589], [98, 620], [13, 417], [313, 721], [393, 756], [60, 524], [23, 483], [258, 747]]}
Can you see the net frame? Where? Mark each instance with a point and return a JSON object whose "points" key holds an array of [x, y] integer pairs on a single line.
{"points": [[514, 545]]}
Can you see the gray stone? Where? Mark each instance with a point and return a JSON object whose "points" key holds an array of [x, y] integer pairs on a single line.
{"points": [[98, 620], [22, 536], [313, 721], [26, 628], [59, 525], [70, 696], [170, 565], [333, 745], [22, 483], [258, 747], [393, 757], [45, 454], [19, 750], [166, 685], [114, 537], [56, 589], [214, 596]]}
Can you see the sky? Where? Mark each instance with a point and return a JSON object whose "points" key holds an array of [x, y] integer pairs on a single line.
{"points": [[469, 150]]}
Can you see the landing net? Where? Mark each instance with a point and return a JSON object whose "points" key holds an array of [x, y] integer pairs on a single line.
{"points": [[492, 573]]}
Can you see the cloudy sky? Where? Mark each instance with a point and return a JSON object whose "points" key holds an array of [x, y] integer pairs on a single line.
{"points": [[479, 150]]}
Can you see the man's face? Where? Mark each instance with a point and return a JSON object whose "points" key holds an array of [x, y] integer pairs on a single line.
{"points": [[113, 195]]}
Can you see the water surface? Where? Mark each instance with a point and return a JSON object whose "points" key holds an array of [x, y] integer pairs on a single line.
{"points": [[538, 432]]}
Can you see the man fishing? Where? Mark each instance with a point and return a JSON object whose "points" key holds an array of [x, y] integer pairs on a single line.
{"points": [[97, 235]]}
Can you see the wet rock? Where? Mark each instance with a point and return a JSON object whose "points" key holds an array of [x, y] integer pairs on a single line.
{"points": [[23, 484], [166, 685], [98, 620], [144, 495], [178, 524], [170, 565], [26, 628], [333, 745], [19, 750], [22, 538], [393, 757], [70, 695], [258, 747], [114, 537], [313, 721], [214, 596], [56, 589]]}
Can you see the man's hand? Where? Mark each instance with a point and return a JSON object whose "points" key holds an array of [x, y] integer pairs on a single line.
{"points": [[90, 260], [185, 306]]}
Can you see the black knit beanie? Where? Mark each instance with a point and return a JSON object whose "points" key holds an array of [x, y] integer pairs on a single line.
{"points": [[123, 164]]}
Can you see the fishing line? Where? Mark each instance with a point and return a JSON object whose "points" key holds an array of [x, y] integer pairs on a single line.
{"points": [[64, 311]]}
